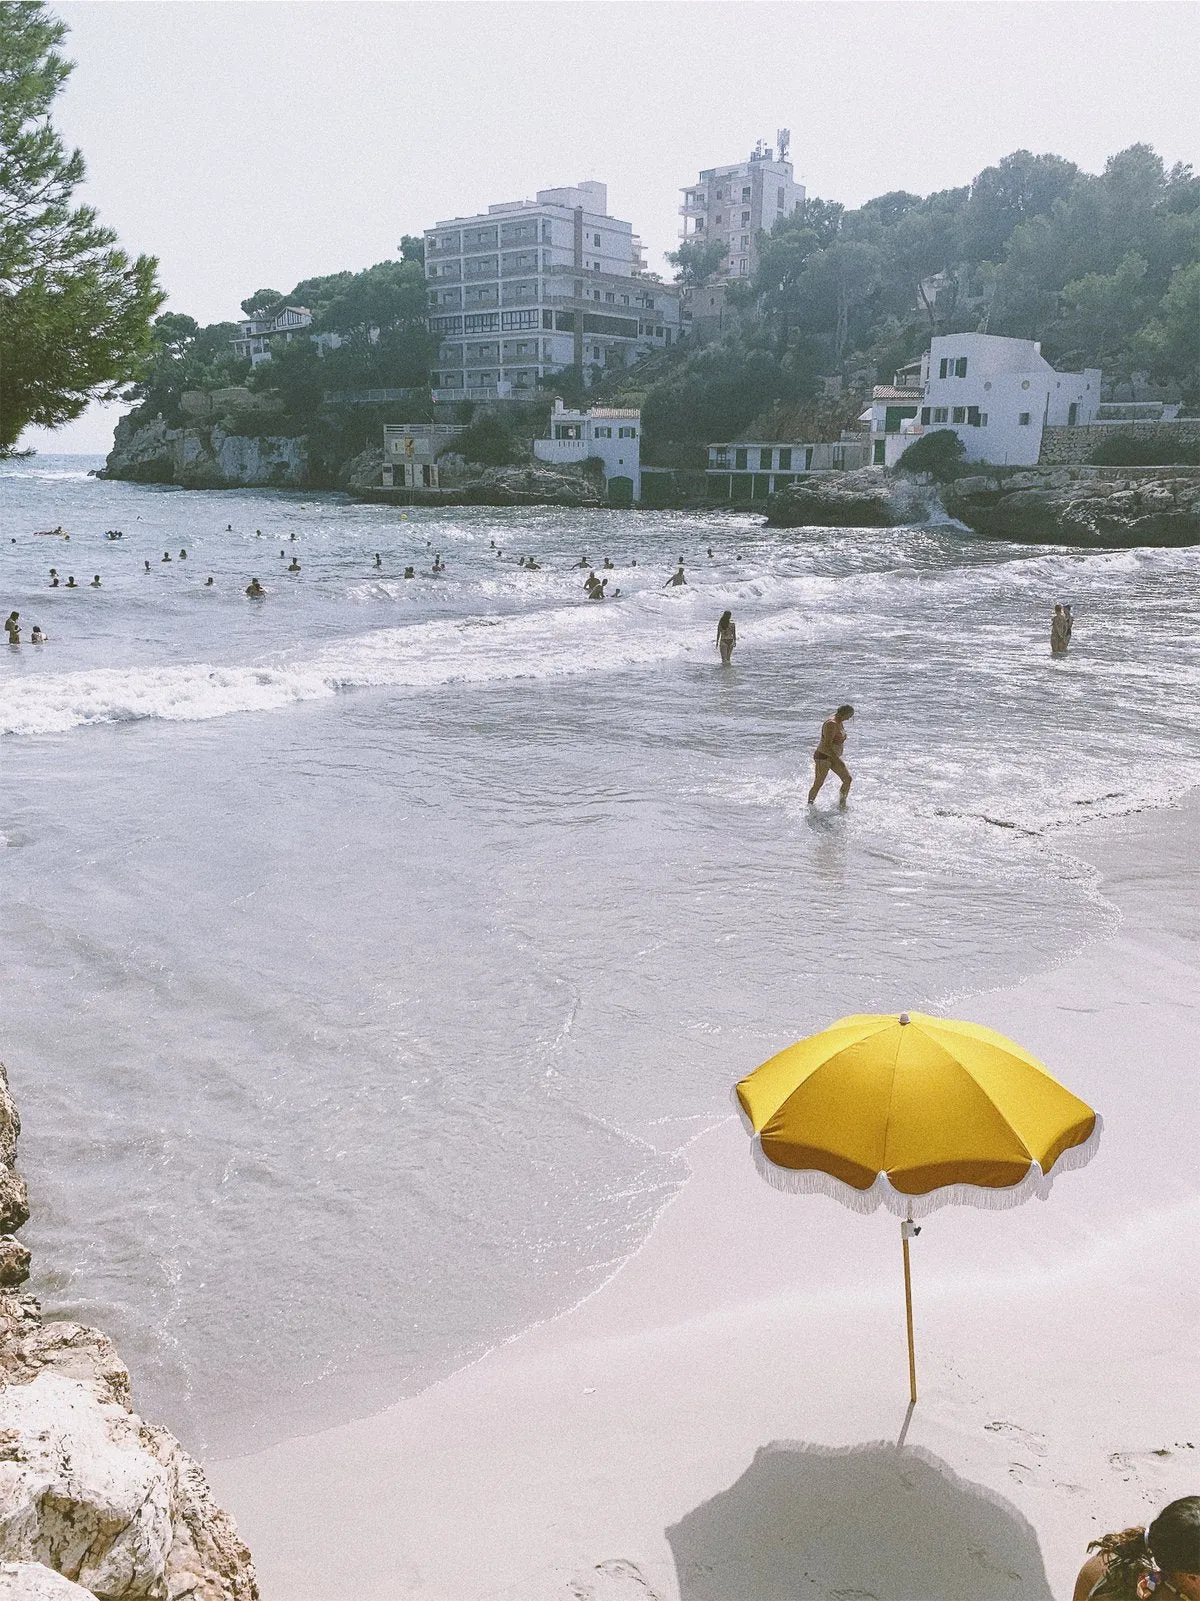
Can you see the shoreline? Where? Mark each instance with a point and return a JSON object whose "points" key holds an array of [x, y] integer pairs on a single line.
{"points": [[595, 1449]]}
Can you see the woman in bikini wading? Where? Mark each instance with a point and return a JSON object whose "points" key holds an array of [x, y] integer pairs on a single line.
{"points": [[827, 758]]}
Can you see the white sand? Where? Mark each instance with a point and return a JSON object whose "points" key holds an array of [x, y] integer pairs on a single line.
{"points": [[708, 1426]]}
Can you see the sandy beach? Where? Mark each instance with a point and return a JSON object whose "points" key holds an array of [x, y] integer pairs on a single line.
{"points": [[722, 1419]]}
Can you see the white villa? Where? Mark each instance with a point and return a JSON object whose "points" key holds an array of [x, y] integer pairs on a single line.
{"points": [[257, 332], [607, 432], [996, 394]]}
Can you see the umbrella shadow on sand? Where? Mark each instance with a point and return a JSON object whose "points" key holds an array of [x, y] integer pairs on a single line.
{"points": [[864, 1523]]}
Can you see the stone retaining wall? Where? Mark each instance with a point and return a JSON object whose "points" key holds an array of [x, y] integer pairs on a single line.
{"points": [[1063, 447]]}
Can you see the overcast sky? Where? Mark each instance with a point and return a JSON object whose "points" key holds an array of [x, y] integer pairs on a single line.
{"points": [[250, 145]]}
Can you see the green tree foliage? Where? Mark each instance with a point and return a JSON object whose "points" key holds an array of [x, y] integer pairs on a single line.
{"points": [[262, 303], [696, 261], [939, 454], [75, 311], [487, 443], [1103, 269]]}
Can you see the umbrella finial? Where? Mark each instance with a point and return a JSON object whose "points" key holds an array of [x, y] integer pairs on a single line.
{"points": [[904, 1018]]}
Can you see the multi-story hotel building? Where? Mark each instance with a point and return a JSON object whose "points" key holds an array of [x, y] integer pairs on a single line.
{"points": [[735, 204], [532, 286]]}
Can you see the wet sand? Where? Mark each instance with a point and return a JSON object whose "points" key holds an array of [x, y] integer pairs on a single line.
{"points": [[720, 1422]]}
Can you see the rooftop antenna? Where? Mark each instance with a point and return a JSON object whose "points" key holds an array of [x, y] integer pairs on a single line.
{"points": [[783, 139]]}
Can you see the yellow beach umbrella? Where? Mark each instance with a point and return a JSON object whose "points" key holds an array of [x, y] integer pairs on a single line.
{"points": [[912, 1113]]}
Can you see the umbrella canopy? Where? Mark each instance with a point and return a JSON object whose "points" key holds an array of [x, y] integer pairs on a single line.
{"points": [[912, 1112]]}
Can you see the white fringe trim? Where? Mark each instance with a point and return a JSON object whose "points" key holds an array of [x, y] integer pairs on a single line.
{"points": [[811, 1181]]}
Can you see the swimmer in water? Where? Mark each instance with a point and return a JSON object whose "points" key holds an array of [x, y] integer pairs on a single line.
{"points": [[676, 577], [710, 553], [726, 637], [293, 566], [71, 584], [183, 555], [96, 581], [255, 590], [827, 758], [54, 578], [208, 582], [37, 637], [166, 555], [410, 572], [146, 565], [228, 528], [378, 559], [609, 564], [583, 561]]}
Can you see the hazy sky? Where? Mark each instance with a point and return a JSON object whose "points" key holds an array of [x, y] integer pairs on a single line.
{"points": [[251, 144]]}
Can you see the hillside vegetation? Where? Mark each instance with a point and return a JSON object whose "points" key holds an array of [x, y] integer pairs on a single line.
{"points": [[1103, 269]]}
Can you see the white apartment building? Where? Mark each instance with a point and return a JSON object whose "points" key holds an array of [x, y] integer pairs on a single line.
{"points": [[997, 395], [532, 286], [257, 332], [735, 204], [611, 433]]}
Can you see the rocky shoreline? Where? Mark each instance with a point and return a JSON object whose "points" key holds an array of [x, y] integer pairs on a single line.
{"points": [[1104, 506], [95, 1503]]}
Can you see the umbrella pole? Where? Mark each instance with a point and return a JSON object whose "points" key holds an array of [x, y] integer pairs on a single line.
{"points": [[906, 1232]]}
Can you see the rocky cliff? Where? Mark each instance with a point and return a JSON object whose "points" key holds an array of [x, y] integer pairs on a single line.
{"points": [[1055, 506], [94, 1502], [466, 485], [863, 499], [1082, 505], [205, 455]]}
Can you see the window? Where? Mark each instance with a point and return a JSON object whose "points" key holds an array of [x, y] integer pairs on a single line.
{"points": [[720, 219], [745, 241], [720, 194], [983, 419], [595, 294], [764, 459], [596, 240], [942, 365], [624, 300], [518, 319], [484, 323], [547, 319], [742, 265], [600, 432], [960, 367], [739, 460], [1023, 420], [746, 192], [940, 414], [779, 200], [785, 459], [926, 412], [597, 353], [626, 433], [720, 458], [879, 453], [609, 295], [973, 416], [958, 414]]}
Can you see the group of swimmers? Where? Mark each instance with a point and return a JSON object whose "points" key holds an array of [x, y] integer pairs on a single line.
{"points": [[12, 627]]}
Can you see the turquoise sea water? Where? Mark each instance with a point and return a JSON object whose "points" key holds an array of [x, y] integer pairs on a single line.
{"points": [[372, 951]]}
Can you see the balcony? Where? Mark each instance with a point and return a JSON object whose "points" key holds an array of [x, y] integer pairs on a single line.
{"points": [[694, 206]]}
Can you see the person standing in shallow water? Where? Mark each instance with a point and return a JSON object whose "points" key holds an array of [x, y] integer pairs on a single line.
{"points": [[676, 578], [1060, 632], [726, 637], [827, 758]]}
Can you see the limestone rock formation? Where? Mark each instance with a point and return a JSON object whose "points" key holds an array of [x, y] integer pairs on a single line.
{"points": [[863, 499], [30, 1581], [1082, 505], [89, 1493], [204, 456]]}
